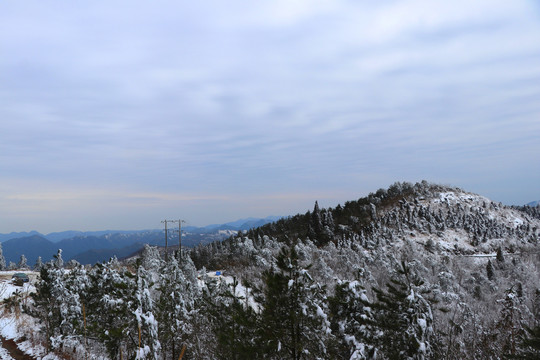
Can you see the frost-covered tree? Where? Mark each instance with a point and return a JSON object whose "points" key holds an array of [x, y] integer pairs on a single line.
{"points": [[71, 288], [529, 347], [58, 261], [234, 321], [150, 347], [2, 259], [490, 271], [23, 262], [404, 318], [352, 322], [509, 326], [151, 259], [72, 264], [294, 321], [500, 256], [109, 302], [39, 264], [174, 308], [47, 303]]}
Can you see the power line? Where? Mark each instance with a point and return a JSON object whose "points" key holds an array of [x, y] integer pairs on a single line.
{"points": [[179, 222]]}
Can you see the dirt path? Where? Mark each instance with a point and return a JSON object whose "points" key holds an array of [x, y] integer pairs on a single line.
{"points": [[14, 351]]}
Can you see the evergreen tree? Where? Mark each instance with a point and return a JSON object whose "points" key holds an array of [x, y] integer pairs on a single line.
{"points": [[352, 322], [490, 271], [500, 256], [293, 316], [404, 318], [234, 322], [39, 264], [316, 228], [23, 262], [58, 261], [144, 313], [151, 259], [529, 347], [174, 309], [2, 259], [47, 303], [73, 289], [109, 302], [508, 327]]}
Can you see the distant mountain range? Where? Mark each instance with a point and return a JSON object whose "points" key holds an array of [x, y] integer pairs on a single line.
{"points": [[89, 247], [534, 203], [58, 236]]}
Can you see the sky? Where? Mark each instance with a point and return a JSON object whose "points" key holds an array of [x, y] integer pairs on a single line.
{"points": [[120, 114]]}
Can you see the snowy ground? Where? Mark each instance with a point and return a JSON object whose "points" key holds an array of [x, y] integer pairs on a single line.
{"points": [[240, 291], [470, 202], [16, 325]]}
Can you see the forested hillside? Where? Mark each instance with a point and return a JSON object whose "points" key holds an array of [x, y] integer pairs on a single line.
{"points": [[416, 271]]}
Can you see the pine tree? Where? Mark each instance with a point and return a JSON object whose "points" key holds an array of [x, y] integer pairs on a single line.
{"points": [[23, 262], [58, 261], [490, 271], [144, 314], [293, 316], [151, 259], [109, 302], [174, 309], [47, 303], [73, 289], [234, 322], [500, 256], [2, 259], [351, 319], [39, 264], [315, 226], [404, 318], [508, 326], [529, 347]]}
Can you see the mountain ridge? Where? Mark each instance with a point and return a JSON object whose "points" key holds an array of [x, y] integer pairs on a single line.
{"points": [[88, 247], [451, 218]]}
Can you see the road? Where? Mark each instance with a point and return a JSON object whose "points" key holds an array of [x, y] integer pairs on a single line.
{"points": [[12, 351]]}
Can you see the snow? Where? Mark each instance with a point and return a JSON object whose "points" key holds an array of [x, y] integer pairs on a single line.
{"points": [[475, 202], [423, 324], [452, 197], [4, 355], [19, 326], [8, 327], [411, 296], [240, 291], [227, 232]]}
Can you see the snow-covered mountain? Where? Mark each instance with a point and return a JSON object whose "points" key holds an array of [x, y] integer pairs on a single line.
{"points": [[454, 221], [474, 257], [415, 271]]}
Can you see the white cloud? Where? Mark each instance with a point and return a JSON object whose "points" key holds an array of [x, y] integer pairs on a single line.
{"points": [[265, 97]]}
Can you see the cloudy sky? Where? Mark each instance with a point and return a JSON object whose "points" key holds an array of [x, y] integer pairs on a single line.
{"points": [[119, 114]]}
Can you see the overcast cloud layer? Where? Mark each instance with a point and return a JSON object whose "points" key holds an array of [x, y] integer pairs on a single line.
{"points": [[116, 115]]}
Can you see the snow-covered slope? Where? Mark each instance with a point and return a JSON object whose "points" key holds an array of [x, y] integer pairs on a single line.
{"points": [[472, 255]]}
